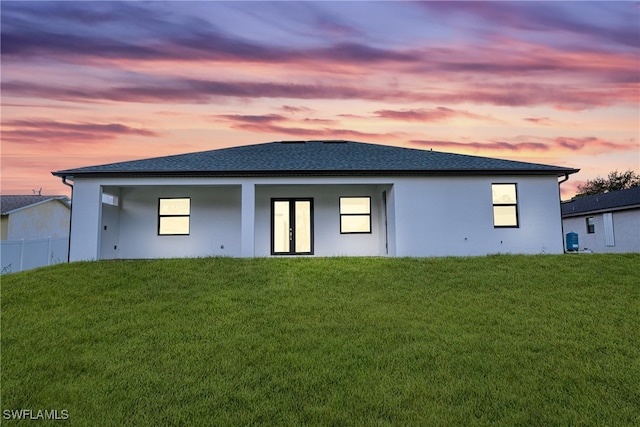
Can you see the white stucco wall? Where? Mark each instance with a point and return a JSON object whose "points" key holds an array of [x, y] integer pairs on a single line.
{"points": [[42, 220], [214, 223], [426, 216], [626, 229], [219, 211], [440, 216], [327, 238]]}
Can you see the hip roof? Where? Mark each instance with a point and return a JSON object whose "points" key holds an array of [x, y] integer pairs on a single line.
{"points": [[314, 158]]}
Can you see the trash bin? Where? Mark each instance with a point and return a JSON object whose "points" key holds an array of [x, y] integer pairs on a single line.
{"points": [[572, 241]]}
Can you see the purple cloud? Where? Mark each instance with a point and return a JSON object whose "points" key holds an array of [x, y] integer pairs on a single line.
{"points": [[140, 33], [616, 23], [193, 90], [203, 91], [268, 118], [294, 110]]}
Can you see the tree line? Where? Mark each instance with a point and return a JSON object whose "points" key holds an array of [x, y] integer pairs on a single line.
{"points": [[613, 182]]}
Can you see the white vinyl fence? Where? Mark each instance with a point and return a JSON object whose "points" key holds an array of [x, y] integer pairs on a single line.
{"points": [[20, 255]]}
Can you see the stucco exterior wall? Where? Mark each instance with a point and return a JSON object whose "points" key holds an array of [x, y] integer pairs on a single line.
{"points": [[48, 219], [626, 229], [425, 216], [327, 238], [214, 223], [441, 216]]}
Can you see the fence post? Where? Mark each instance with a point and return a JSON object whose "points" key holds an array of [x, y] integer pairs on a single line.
{"points": [[49, 254], [21, 253]]}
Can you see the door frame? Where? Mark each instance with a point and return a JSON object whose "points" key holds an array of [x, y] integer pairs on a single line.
{"points": [[292, 219]]}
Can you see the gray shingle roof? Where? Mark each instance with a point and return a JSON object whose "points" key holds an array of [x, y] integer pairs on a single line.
{"points": [[613, 200], [12, 203], [313, 158]]}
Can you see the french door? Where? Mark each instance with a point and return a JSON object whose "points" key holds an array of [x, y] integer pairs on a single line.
{"points": [[291, 226]]}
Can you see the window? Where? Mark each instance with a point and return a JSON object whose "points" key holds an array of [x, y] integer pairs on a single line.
{"points": [[591, 227], [109, 199], [505, 205], [173, 216], [355, 215]]}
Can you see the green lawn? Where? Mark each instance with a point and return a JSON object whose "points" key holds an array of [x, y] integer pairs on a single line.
{"points": [[498, 340]]}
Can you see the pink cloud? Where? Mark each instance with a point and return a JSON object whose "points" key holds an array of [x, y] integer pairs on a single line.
{"points": [[49, 131], [296, 109], [319, 133], [490, 145], [585, 145], [543, 121], [589, 143], [280, 125], [437, 114]]}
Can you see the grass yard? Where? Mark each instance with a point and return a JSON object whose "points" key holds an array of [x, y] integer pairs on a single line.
{"points": [[498, 340]]}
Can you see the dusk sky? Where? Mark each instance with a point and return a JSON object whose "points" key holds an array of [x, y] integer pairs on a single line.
{"points": [[87, 83]]}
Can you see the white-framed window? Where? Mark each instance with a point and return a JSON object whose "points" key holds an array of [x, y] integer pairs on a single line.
{"points": [[355, 215], [174, 215], [505, 205]]}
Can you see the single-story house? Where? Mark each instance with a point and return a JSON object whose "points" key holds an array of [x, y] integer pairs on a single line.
{"points": [[34, 217], [608, 222], [322, 198]]}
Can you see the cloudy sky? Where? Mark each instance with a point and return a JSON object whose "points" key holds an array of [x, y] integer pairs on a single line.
{"points": [[87, 83]]}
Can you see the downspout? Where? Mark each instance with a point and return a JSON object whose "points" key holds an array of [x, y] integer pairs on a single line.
{"points": [[64, 181], [566, 178]]}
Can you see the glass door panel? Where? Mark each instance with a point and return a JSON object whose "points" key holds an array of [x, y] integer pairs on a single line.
{"points": [[303, 226], [281, 227]]}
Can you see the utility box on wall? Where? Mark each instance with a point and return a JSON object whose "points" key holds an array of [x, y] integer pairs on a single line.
{"points": [[572, 241]]}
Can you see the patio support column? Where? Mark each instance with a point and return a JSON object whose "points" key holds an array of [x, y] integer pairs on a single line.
{"points": [[85, 226], [247, 243]]}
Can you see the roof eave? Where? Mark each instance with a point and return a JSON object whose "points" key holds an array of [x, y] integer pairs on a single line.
{"points": [[72, 174], [601, 210], [60, 199]]}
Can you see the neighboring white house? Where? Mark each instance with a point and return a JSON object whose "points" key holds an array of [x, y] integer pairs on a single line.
{"points": [[34, 232], [34, 217], [608, 222], [322, 198]]}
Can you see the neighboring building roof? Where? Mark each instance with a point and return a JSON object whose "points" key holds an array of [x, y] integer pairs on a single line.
{"points": [[613, 200], [314, 158], [10, 204]]}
